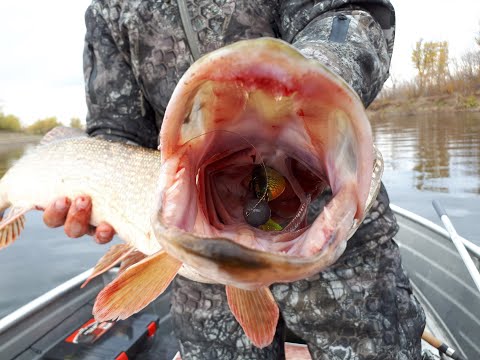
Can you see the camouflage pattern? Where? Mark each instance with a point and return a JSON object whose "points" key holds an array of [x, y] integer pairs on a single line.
{"points": [[207, 328], [360, 308], [136, 51]]}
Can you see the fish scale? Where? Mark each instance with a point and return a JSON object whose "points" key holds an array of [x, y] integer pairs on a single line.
{"points": [[120, 179]]}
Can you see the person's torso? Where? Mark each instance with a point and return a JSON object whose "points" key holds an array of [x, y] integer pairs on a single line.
{"points": [[157, 45], [152, 37]]}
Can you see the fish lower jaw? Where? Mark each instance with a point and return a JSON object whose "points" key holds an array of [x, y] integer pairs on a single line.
{"points": [[330, 227], [228, 260]]}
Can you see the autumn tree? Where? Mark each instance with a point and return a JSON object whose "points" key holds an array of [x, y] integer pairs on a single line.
{"points": [[430, 59], [418, 63], [9, 123], [43, 126], [76, 123], [442, 65], [477, 39]]}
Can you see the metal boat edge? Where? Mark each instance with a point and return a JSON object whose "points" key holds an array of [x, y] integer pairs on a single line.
{"points": [[472, 248], [43, 300], [441, 281]]}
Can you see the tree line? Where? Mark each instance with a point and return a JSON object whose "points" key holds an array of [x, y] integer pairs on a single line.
{"points": [[12, 123], [438, 74]]}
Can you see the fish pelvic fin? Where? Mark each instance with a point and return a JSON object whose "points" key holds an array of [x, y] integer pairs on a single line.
{"points": [[257, 313], [113, 256], [131, 259], [136, 287], [11, 225]]}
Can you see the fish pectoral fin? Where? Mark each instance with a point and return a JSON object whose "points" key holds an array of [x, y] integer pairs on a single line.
{"points": [[136, 287], [11, 225], [113, 256], [257, 313]]}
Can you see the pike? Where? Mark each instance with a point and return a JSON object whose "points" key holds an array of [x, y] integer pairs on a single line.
{"points": [[256, 104]]}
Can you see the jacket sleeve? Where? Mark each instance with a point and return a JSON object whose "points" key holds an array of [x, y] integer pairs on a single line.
{"points": [[354, 38], [117, 109]]}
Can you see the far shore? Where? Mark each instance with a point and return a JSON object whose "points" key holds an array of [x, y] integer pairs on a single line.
{"points": [[425, 105]]}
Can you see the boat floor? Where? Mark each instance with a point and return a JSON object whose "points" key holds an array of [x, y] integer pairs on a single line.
{"points": [[164, 346]]}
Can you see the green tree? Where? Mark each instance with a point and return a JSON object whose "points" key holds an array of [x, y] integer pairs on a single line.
{"points": [[43, 126], [76, 123], [9, 123]]}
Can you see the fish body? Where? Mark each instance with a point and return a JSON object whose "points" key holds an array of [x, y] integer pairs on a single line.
{"points": [[256, 104], [120, 179]]}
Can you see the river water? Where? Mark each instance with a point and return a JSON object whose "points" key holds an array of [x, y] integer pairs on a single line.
{"points": [[433, 156], [426, 157]]}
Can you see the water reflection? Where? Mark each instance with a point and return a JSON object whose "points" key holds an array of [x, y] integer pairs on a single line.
{"points": [[434, 152], [8, 155]]}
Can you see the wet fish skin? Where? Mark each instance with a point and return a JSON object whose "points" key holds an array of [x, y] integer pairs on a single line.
{"points": [[120, 179]]}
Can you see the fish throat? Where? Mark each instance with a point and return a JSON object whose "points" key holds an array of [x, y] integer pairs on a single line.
{"points": [[256, 195]]}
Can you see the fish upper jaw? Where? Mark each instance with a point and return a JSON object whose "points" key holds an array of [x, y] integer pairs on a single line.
{"points": [[232, 112]]}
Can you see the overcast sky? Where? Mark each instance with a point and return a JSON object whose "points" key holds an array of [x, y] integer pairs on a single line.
{"points": [[42, 43]]}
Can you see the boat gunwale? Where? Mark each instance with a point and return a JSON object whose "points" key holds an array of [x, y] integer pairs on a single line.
{"points": [[43, 300], [472, 248]]}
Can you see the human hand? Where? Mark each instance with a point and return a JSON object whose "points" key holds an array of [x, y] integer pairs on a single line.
{"points": [[75, 217]]}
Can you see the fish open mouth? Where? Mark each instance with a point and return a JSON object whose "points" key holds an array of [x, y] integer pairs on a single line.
{"points": [[254, 134]]}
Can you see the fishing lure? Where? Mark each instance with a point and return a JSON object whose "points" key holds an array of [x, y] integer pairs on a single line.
{"points": [[267, 182], [267, 185]]}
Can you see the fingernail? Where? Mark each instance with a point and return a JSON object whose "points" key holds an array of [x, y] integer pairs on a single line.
{"points": [[61, 205], [75, 229], [81, 203], [103, 235]]}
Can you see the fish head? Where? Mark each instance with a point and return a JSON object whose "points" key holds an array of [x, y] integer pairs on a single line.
{"points": [[260, 104]]}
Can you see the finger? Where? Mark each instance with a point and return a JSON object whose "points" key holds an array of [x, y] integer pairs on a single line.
{"points": [[78, 217], [104, 233], [91, 230], [56, 213]]}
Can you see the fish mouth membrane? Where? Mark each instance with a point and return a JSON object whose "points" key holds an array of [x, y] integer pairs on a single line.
{"points": [[278, 140]]}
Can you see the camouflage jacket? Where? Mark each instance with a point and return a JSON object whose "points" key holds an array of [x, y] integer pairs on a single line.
{"points": [[137, 50]]}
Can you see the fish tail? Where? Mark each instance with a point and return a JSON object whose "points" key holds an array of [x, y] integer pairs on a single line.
{"points": [[11, 223]]}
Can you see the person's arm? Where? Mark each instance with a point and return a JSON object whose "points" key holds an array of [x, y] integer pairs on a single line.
{"points": [[117, 110], [353, 38]]}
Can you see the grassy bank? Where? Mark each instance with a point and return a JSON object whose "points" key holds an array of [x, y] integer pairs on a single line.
{"points": [[425, 104]]}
